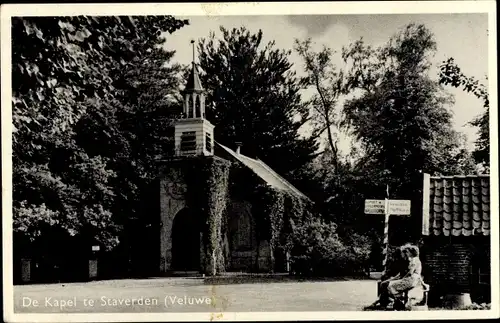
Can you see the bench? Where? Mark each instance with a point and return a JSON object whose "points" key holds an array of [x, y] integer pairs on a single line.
{"points": [[408, 301], [413, 302]]}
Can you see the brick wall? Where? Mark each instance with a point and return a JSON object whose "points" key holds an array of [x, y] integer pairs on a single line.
{"points": [[448, 265]]}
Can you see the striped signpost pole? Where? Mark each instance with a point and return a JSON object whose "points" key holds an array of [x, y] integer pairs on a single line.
{"points": [[386, 233]]}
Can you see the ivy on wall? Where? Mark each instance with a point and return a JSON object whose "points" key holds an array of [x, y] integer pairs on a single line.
{"points": [[295, 210], [207, 181], [267, 208], [269, 216], [215, 176], [277, 212]]}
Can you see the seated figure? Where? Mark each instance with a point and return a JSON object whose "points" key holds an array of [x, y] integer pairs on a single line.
{"points": [[407, 288], [396, 272], [410, 289]]}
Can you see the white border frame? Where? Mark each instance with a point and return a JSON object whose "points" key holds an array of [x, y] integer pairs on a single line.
{"points": [[212, 9]]}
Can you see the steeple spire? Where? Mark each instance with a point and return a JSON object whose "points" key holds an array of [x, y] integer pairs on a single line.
{"points": [[194, 83], [194, 97]]}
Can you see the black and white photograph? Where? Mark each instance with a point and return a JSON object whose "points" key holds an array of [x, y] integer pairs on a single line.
{"points": [[249, 161]]}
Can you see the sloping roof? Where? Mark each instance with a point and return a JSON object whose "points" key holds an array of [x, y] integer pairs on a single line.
{"points": [[265, 172], [459, 205], [193, 82]]}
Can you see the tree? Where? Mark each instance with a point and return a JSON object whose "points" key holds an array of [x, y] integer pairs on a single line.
{"points": [[401, 117], [328, 84], [450, 74], [254, 99], [66, 102]]}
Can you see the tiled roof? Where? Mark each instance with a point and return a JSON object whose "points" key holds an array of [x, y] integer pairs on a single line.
{"points": [[265, 172], [459, 205]]}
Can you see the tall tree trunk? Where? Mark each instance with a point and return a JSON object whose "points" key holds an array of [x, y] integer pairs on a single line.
{"points": [[333, 146], [326, 109]]}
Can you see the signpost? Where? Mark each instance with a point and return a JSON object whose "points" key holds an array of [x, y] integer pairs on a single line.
{"points": [[396, 207], [374, 207], [387, 207], [399, 207]]}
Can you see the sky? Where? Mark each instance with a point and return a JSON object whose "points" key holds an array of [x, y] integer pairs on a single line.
{"points": [[461, 36]]}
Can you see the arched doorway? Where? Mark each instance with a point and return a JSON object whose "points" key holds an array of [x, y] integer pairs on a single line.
{"points": [[186, 244]]}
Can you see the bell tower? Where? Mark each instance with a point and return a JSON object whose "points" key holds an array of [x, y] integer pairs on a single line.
{"points": [[194, 135]]}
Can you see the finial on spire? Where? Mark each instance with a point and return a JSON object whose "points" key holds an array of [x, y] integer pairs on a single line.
{"points": [[192, 42]]}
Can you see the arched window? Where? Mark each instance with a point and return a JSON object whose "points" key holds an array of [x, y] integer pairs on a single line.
{"points": [[187, 107], [241, 231], [197, 106], [202, 106]]}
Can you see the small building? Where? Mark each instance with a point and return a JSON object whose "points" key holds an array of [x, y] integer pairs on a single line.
{"points": [[456, 236], [212, 218]]}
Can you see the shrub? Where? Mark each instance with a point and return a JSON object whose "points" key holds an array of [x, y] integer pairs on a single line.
{"points": [[317, 250], [360, 247]]}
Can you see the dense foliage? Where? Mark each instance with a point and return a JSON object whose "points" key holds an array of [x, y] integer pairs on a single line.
{"points": [[314, 245], [78, 134], [401, 117], [318, 250]]}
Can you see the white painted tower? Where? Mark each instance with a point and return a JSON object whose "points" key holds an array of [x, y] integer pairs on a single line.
{"points": [[194, 135]]}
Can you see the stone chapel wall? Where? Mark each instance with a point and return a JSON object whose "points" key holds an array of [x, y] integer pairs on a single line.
{"points": [[172, 200]]}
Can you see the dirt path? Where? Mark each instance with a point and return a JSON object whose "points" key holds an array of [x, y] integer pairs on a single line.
{"points": [[192, 295]]}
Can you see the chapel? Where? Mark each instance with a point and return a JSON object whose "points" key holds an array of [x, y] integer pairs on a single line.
{"points": [[199, 237]]}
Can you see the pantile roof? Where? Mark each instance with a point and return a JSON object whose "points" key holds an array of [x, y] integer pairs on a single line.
{"points": [[459, 205]]}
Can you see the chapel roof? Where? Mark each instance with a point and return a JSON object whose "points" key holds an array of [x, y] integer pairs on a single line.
{"points": [[459, 205], [266, 173]]}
